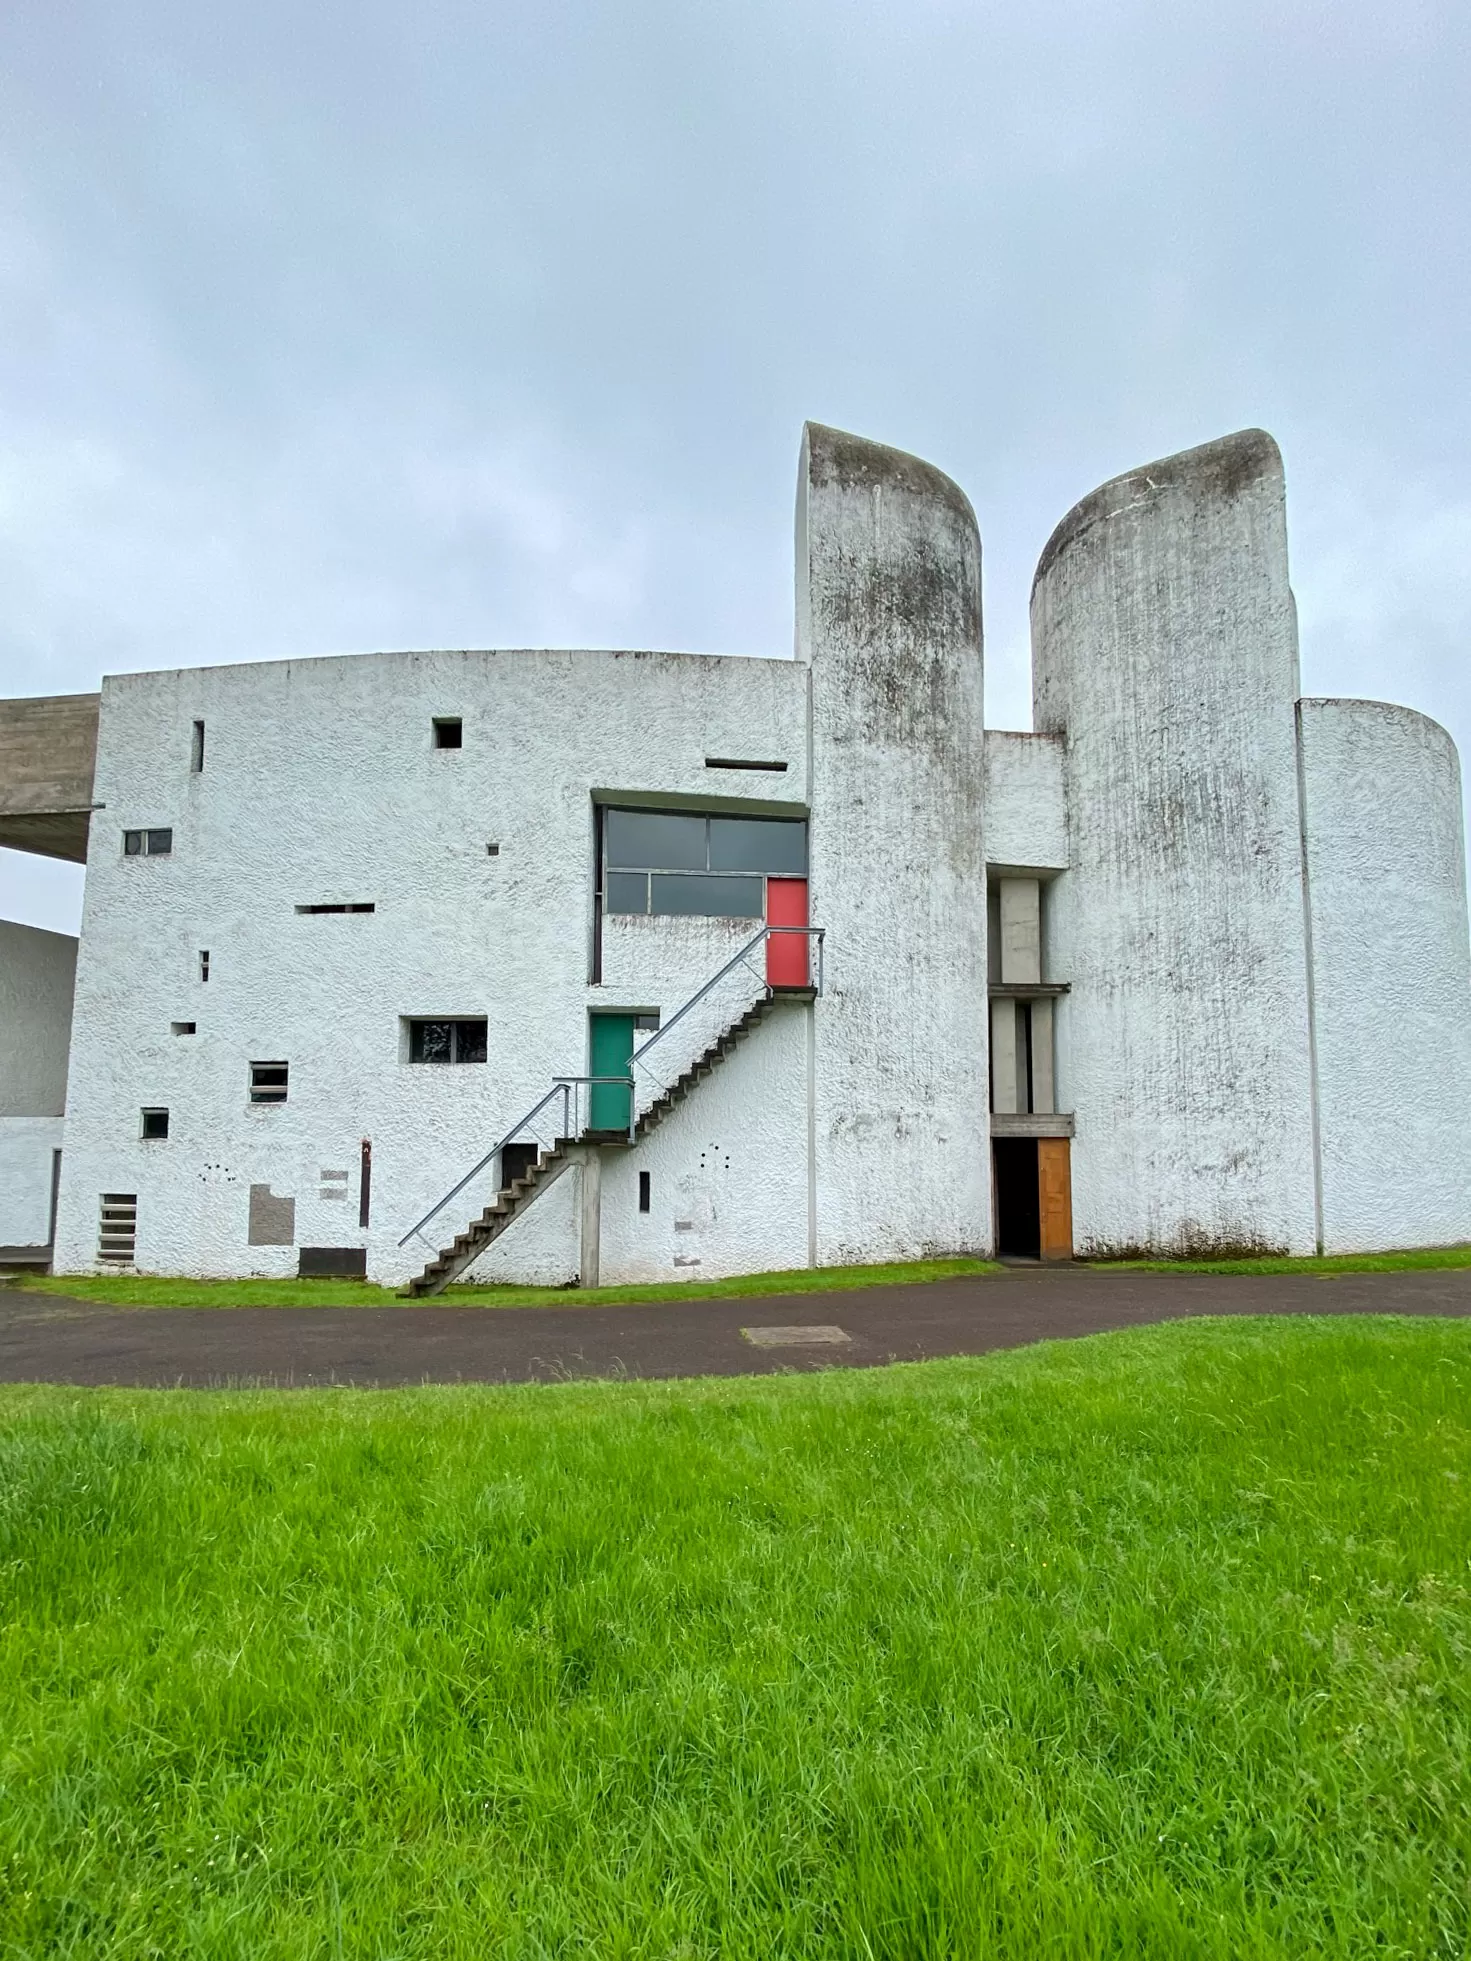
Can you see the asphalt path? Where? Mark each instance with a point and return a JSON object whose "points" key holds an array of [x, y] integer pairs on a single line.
{"points": [[50, 1338]]}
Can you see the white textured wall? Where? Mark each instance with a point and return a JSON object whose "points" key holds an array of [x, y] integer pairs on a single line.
{"points": [[1392, 1000], [26, 1146], [321, 784], [1026, 801], [889, 620], [1165, 651], [37, 973]]}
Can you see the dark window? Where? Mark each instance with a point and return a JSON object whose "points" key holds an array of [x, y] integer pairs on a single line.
{"points": [[643, 1191], [147, 844], [447, 1041], [688, 892], [155, 1123], [369, 905], [449, 732], [740, 762], [657, 840], [758, 844], [646, 1023], [627, 892], [268, 1082], [204, 963], [666, 862], [196, 752], [182, 1027]]}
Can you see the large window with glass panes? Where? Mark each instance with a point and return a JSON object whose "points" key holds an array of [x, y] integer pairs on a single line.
{"points": [[673, 862]]}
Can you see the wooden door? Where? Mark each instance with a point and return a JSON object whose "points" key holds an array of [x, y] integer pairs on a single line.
{"points": [[1055, 1197], [610, 1051], [787, 964]]}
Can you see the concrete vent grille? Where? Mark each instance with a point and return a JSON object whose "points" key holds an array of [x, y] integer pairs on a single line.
{"points": [[117, 1234]]}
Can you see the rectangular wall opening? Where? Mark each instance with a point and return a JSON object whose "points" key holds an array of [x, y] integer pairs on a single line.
{"points": [[449, 732], [196, 749], [517, 1161], [117, 1228], [1018, 1209]]}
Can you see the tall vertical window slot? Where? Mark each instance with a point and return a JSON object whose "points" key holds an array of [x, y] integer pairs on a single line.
{"points": [[117, 1228], [196, 749], [203, 964], [644, 1195]]}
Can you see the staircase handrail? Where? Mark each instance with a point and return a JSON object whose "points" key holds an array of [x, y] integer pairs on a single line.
{"points": [[817, 933], [561, 1087]]}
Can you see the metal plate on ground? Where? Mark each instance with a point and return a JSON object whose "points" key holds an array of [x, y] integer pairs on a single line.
{"points": [[813, 1337]]}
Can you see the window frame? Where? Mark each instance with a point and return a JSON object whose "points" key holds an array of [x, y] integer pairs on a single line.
{"points": [[265, 1095], [454, 1023], [648, 873], [145, 846]]}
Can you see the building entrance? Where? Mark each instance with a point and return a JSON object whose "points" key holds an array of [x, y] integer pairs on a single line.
{"points": [[1018, 1206]]}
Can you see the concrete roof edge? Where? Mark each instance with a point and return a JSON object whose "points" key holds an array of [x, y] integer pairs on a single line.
{"points": [[1225, 467], [837, 457]]}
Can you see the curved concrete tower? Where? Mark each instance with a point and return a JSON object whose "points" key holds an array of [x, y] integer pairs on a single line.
{"points": [[889, 622], [1165, 653], [1391, 991]]}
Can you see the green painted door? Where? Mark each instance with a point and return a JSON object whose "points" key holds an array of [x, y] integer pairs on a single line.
{"points": [[611, 1049]]}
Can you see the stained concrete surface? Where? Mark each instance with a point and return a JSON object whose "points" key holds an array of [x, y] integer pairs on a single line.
{"points": [[48, 1338]]}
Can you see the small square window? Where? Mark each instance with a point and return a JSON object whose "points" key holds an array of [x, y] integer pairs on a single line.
{"points": [[268, 1082], [132, 844], [449, 732], [160, 843], [155, 1123]]}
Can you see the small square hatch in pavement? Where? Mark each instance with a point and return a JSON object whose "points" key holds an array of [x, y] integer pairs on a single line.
{"points": [[814, 1337]]}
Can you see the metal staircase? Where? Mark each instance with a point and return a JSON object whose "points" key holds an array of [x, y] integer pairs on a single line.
{"points": [[572, 1143]]}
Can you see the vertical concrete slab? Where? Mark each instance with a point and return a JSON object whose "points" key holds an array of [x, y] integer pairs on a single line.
{"points": [[1165, 653], [1391, 990], [1006, 1082], [590, 1216], [889, 623], [1021, 929], [1044, 1096]]}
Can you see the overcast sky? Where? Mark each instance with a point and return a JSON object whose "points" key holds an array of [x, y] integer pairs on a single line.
{"points": [[329, 328]]}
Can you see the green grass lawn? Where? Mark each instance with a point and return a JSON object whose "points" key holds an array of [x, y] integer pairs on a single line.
{"points": [[1419, 1259], [148, 1290], [1154, 1644]]}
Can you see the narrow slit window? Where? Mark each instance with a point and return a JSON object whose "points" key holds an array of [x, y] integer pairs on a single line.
{"points": [[358, 905], [449, 732], [155, 1124], [743, 762], [644, 1191], [196, 749], [268, 1082], [204, 963]]}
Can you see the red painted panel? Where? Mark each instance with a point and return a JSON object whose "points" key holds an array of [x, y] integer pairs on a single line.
{"points": [[786, 953]]}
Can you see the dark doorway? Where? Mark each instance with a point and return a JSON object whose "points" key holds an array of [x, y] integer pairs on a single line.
{"points": [[1018, 1212], [516, 1161]]}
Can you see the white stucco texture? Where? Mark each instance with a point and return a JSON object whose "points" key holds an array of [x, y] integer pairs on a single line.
{"points": [[1165, 652], [889, 624], [1391, 993], [27, 1148], [322, 785], [37, 975]]}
